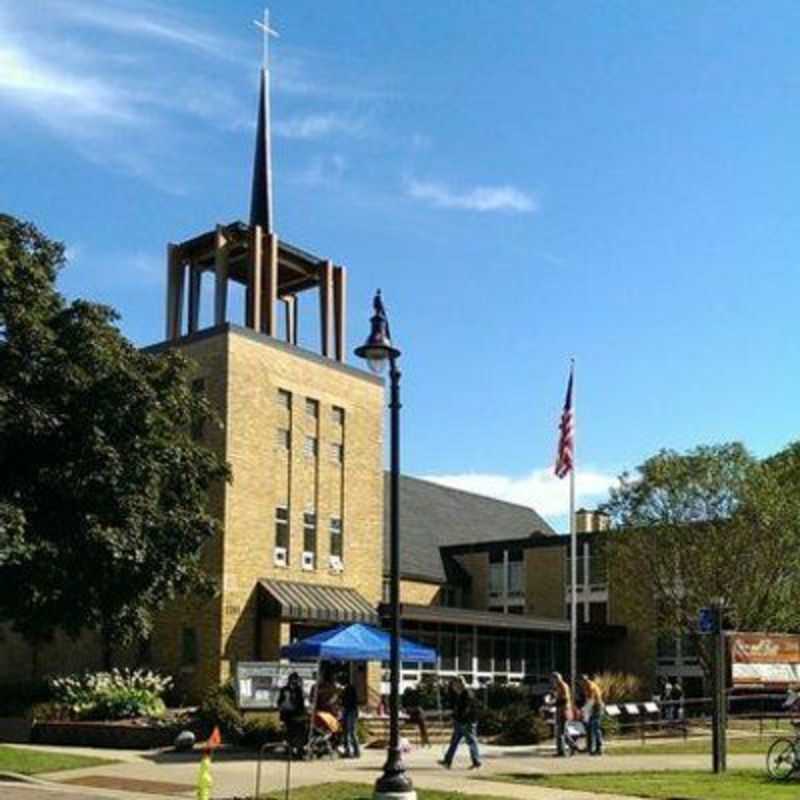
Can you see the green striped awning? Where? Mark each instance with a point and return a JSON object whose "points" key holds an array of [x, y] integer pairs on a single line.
{"points": [[292, 600]]}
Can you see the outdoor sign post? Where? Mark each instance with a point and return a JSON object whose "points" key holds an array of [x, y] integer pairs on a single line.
{"points": [[719, 682]]}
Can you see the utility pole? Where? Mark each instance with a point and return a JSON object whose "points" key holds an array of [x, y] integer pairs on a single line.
{"points": [[719, 680]]}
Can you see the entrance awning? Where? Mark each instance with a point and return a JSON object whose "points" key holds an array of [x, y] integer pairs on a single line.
{"points": [[292, 600]]}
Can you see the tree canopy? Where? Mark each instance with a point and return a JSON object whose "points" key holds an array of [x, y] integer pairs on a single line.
{"points": [[103, 487], [715, 522]]}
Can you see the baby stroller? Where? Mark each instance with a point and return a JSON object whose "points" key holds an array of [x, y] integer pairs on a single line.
{"points": [[323, 739], [575, 737]]}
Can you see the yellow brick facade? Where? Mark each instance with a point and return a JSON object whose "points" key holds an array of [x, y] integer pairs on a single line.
{"points": [[243, 374]]}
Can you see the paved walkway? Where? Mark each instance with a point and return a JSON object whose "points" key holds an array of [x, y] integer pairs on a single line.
{"points": [[148, 776]]}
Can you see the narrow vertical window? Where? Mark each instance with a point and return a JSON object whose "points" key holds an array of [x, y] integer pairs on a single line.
{"points": [[337, 545], [309, 540], [284, 398], [189, 647], [312, 408], [337, 416], [281, 552], [310, 447]]}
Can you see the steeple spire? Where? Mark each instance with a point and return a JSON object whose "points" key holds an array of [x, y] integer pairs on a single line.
{"points": [[261, 197]]}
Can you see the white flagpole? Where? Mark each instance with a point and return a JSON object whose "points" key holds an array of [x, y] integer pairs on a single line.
{"points": [[573, 535]]}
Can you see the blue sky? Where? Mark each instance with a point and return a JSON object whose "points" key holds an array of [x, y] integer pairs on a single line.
{"points": [[526, 181]]}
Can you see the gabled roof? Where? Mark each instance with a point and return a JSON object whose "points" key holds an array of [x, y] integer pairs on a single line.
{"points": [[433, 516]]}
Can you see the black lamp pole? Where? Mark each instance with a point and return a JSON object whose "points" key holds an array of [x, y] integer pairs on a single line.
{"points": [[378, 349]]}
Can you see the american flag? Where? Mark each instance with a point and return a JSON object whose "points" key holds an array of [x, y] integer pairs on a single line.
{"points": [[565, 460]]}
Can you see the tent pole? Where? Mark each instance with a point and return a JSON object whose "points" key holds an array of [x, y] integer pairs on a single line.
{"points": [[313, 705]]}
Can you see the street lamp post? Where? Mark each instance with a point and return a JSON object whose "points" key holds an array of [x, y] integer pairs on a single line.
{"points": [[378, 350]]}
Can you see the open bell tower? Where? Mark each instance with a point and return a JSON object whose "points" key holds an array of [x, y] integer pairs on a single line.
{"points": [[253, 255]]}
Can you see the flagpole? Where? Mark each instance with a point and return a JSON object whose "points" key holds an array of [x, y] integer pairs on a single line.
{"points": [[573, 544]]}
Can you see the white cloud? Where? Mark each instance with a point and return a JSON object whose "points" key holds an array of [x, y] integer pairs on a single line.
{"points": [[480, 198], [34, 85], [150, 21], [539, 489], [318, 125]]}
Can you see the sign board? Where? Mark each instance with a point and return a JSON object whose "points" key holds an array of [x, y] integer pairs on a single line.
{"points": [[258, 683], [764, 659], [705, 620]]}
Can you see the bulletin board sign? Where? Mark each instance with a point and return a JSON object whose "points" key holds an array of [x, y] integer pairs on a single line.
{"points": [[258, 683], [764, 659]]}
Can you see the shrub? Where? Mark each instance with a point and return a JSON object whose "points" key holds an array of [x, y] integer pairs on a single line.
{"points": [[501, 695], [490, 721], [219, 708], [261, 729], [619, 687], [529, 728], [119, 694]]}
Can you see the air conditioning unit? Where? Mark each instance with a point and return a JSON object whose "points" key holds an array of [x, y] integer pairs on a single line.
{"points": [[280, 557], [308, 560], [335, 563]]}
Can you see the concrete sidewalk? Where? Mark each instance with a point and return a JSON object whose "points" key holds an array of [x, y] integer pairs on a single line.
{"points": [[151, 775]]}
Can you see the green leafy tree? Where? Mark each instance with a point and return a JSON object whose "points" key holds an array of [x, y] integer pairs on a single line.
{"points": [[103, 487], [714, 522]]}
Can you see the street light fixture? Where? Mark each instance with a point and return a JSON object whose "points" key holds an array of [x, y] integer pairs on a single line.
{"points": [[378, 351]]}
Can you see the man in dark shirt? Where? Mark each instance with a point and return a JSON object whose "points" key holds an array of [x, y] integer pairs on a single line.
{"points": [[465, 716], [352, 748]]}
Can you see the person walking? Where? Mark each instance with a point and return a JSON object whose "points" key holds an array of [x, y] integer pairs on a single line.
{"points": [[563, 703], [595, 709], [465, 715], [352, 747]]}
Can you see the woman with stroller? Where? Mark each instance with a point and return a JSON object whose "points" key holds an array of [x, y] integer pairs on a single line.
{"points": [[292, 709]]}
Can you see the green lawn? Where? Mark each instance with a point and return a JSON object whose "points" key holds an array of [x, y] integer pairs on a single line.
{"points": [[690, 747], [737, 784], [362, 791], [31, 762]]}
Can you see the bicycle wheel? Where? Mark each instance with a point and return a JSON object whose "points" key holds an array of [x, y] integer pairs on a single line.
{"points": [[781, 759]]}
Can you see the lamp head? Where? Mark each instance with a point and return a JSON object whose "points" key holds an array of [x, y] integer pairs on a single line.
{"points": [[378, 349]]}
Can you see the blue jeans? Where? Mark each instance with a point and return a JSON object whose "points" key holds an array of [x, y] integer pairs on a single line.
{"points": [[595, 737], [351, 744], [468, 732]]}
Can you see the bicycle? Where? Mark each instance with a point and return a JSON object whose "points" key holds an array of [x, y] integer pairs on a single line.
{"points": [[783, 757]]}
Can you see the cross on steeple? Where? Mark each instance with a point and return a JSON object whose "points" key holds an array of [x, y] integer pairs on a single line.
{"points": [[261, 197]]}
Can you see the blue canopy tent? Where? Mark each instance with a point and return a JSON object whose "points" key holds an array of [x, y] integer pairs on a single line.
{"points": [[356, 642]]}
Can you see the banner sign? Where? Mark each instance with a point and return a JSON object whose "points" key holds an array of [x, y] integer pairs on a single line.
{"points": [[258, 683], [765, 659]]}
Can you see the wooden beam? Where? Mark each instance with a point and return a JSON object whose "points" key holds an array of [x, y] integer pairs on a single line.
{"points": [[340, 313], [178, 282], [169, 317], [253, 313], [290, 304], [195, 284], [326, 307], [221, 276], [269, 287]]}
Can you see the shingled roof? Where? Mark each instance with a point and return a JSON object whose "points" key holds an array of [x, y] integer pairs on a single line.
{"points": [[434, 516]]}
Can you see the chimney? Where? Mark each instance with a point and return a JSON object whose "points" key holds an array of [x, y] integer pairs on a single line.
{"points": [[588, 521]]}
